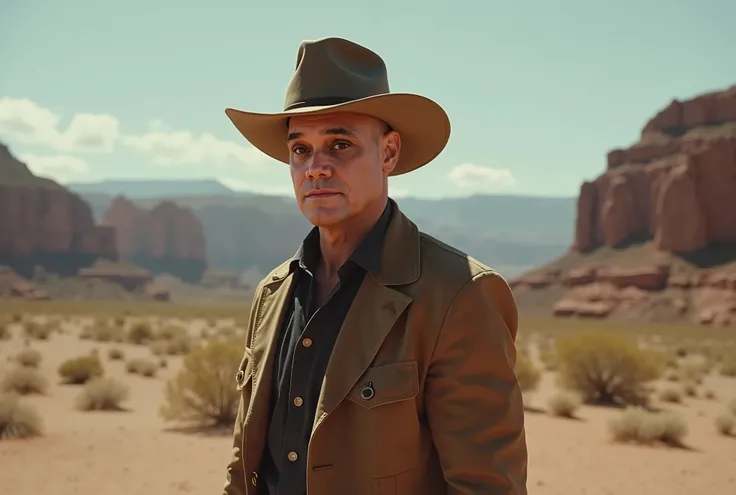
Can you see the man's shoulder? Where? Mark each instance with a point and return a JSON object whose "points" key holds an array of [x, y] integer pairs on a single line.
{"points": [[274, 275], [445, 264]]}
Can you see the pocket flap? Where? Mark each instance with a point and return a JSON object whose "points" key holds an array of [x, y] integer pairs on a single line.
{"points": [[245, 370], [385, 384]]}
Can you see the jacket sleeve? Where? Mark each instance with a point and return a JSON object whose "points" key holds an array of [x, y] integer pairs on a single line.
{"points": [[235, 481], [235, 478], [472, 397]]}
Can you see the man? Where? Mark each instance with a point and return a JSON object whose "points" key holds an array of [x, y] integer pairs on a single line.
{"points": [[378, 360]]}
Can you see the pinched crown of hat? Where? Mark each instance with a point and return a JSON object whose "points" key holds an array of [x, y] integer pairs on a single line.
{"points": [[337, 75]]}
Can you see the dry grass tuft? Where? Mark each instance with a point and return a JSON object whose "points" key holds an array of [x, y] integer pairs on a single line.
{"points": [[18, 420], [564, 404], [80, 370], [24, 381], [103, 394], [636, 425]]}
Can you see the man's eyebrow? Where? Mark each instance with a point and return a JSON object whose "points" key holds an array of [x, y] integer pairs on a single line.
{"points": [[332, 131]]}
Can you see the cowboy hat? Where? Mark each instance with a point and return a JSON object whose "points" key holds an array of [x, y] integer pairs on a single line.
{"points": [[337, 75]]}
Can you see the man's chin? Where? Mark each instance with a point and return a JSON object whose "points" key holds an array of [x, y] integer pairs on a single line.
{"points": [[324, 217]]}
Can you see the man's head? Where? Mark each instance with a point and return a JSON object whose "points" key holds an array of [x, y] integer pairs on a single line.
{"points": [[340, 163], [338, 84]]}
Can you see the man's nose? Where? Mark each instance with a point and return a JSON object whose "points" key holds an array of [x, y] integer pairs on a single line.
{"points": [[319, 168]]}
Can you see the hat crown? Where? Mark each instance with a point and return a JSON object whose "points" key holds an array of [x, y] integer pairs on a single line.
{"points": [[330, 71]]}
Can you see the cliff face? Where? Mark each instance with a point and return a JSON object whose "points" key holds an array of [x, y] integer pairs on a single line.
{"points": [[165, 239], [676, 186], [42, 223]]}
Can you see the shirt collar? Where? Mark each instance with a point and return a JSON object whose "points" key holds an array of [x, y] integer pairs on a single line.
{"points": [[367, 255]]}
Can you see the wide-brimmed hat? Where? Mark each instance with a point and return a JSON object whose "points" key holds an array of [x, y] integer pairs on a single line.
{"points": [[337, 75]]}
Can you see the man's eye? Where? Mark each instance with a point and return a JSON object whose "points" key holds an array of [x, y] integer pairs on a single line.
{"points": [[298, 150], [340, 145]]}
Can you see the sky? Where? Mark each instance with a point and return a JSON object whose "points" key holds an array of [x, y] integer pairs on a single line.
{"points": [[537, 91]]}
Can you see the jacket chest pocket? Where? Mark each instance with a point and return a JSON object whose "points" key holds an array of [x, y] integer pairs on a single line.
{"points": [[384, 423], [386, 384]]}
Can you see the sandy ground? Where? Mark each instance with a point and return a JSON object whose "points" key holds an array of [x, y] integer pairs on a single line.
{"points": [[122, 453]]}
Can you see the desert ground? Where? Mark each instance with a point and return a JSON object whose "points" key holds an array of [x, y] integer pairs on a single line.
{"points": [[131, 448]]}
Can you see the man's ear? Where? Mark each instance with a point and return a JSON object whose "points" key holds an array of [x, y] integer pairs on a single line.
{"points": [[391, 148]]}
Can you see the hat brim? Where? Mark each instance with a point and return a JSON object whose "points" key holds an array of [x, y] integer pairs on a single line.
{"points": [[423, 125]]}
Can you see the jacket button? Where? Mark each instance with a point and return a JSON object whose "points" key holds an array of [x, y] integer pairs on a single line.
{"points": [[292, 456], [367, 392], [254, 479]]}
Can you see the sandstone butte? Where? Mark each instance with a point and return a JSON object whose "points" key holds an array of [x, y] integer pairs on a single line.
{"points": [[165, 239], [655, 234], [42, 223]]}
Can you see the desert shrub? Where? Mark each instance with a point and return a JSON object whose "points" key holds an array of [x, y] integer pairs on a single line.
{"points": [[606, 368], [103, 394], [548, 357], [692, 373], [709, 394], [163, 363], [106, 333], [637, 425], [158, 348], [81, 369], [690, 389], [564, 404], [728, 366], [527, 373], [203, 391], [115, 354], [18, 420], [725, 424], [37, 331], [24, 381], [140, 333], [30, 358], [669, 394], [732, 407], [143, 367], [5, 333]]}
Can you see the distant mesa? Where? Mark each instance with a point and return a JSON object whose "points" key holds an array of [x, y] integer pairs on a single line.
{"points": [[42, 223], [655, 234], [168, 238]]}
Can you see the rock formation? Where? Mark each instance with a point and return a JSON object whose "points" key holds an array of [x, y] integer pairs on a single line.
{"points": [[676, 186], [43, 224], [165, 239], [675, 189]]}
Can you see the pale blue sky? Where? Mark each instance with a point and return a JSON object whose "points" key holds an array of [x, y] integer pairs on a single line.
{"points": [[541, 89]]}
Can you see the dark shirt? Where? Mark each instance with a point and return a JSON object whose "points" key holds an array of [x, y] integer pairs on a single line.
{"points": [[305, 345]]}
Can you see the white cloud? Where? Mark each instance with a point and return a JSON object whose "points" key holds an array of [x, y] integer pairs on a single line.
{"points": [[170, 148], [398, 192], [26, 122], [479, 178], [60, 167]]}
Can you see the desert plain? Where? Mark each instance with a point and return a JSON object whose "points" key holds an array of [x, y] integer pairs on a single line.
{"points": [[131, 448]]}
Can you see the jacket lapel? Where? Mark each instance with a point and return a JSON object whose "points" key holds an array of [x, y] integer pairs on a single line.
{"points": [[271, 308], [371, 316]]}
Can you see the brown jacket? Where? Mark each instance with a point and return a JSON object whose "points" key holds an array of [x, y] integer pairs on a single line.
{"points": [[434, 332]]}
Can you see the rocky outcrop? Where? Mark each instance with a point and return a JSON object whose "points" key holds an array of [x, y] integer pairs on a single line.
{"points": [[43, 224], [165, 239], [675, 187], [645, 292]]}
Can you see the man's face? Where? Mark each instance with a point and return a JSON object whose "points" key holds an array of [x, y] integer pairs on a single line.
{"points": [[339, 164]]}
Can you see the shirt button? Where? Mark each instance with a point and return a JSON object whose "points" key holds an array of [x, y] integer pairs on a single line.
{"points": [[293, 456], [307, 342], [298, 401]]}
